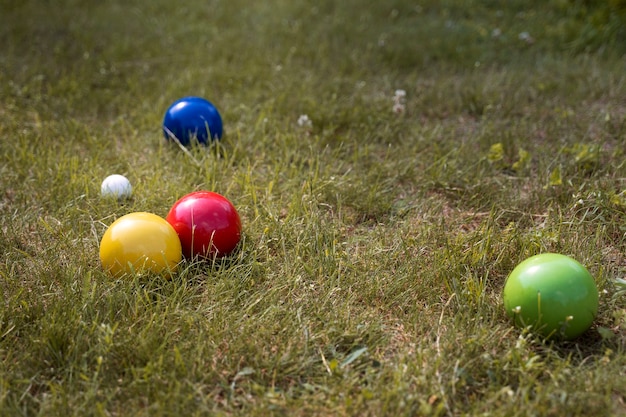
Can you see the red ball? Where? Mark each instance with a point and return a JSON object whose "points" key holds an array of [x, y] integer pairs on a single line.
{"points": [[207, 224]]}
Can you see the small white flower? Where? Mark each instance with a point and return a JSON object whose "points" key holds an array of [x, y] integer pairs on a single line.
{"points": [[304, 121], [398, 108], [525, 36], [398, 101], [496, 33]]}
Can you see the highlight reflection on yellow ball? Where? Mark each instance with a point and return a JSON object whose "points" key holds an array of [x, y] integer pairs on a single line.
{"points": [[140, 242]]}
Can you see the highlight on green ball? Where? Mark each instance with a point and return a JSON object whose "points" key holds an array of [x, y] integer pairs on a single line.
{"points": [[553, 295]]}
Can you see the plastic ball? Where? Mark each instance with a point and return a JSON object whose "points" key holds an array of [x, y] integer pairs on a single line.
{"points": [[207, 224], [553, 294], [140, 242], [116, 186], [192, 119]]}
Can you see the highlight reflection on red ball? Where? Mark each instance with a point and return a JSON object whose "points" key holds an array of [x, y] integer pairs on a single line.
{"points": [[207, 224]]}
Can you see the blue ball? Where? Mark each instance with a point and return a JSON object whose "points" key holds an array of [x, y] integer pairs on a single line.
{"points": [[192, 119]]}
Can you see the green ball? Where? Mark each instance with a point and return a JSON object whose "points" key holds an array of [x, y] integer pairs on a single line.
{"points": [[553, 294]]}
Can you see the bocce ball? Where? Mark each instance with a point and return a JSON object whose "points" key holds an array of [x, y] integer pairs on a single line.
{"points": [[116, 186], [192, 119], [140, 242], [207, 224], [553, 294]]}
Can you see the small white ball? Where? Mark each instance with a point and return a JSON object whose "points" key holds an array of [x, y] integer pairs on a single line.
{"points": [[116, 186]]}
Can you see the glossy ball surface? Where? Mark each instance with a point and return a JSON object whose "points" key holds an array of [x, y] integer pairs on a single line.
{"points": [[191, 119], [140, 242], [116, 186], [207, 224], [552, 293]]}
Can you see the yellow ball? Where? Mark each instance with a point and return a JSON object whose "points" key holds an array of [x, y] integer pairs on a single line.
{"points": [[140, 242]]}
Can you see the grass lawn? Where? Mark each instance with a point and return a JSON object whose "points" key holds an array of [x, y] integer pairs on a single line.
{"points": [[444, 142]]}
